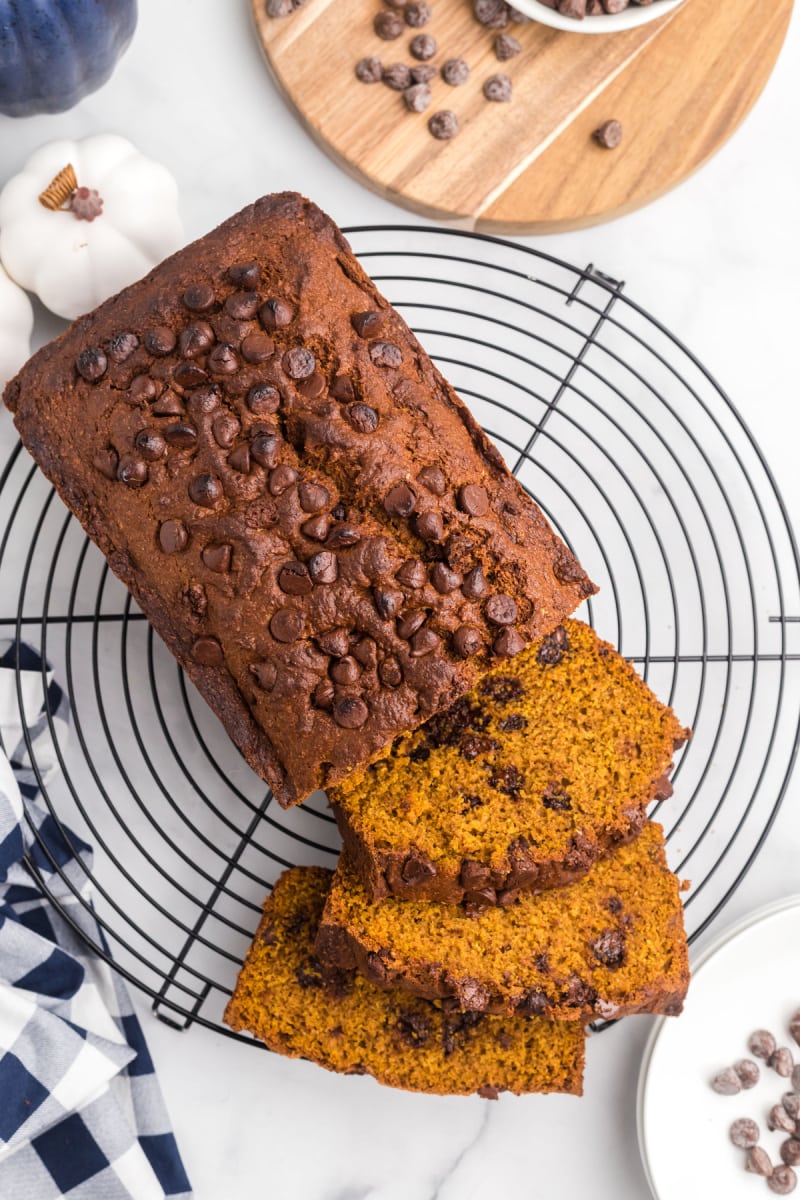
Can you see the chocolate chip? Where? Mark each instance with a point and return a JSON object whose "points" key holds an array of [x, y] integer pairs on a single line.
{"points": [[417, 869], [388, 602], [181, 435], [477, 900], [417, 14], [473, 500], [390, 672], [144, 391], [151, 445], [265, 448], [276, 314], [265, 675], [744, 1133], [455, 72], [781, 1061], [132, 470], [294, 579], [322, 696], [240, 459], [205, 400], [422, 47], [608, 135], [160, 341], [281, 479], [323, 567], [342, 388], [790, 1152], [196, 339], [795, 1077], [207, 651], [473, 875], [335, 642], [409, 622], [412, 573], [246, 274], [366, 652], [726, 1082], [397, 76], [444, 125], [363, 418], [388, 25], [205, 490], [794, 1027], [609, 949], [350, 713], [474, 585], [429, 526], [106, 462], [168, 405], [226, 429], [790, 1100], [199, 297], [312, 387], [748, 1073], [342, 535], [443, 579], [555, 797], [512, 722], [757, 1162], [120, 346], [173, 537], [345, 670], [466, 641], [189, 375], [299, 363], [782, 1181], [385, 354], [400, 501], [498, 88], [313, 497], [286, 625], [263, 398], [424, 641], [413, 1028], [508, 780], [242, 306], [316, 530], [91, 364], [417, 97], [369, 70], [506, 46], [257, 347], [368, 324], [779, 1118], [501, 609], [217, 557], [433, 480], [222, 360], [491, 13]]}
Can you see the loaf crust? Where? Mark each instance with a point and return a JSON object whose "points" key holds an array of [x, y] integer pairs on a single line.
{"points": [[607, 946], [298, 501], [336, 1019]]}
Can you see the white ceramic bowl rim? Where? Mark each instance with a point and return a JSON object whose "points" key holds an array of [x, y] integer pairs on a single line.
{"points": [[629, 18]]}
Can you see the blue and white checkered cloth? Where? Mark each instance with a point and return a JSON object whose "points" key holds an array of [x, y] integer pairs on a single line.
{"points": [[81, 1112]]}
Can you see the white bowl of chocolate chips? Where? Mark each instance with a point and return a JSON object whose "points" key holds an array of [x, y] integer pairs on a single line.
{"points": [[595, 16]]}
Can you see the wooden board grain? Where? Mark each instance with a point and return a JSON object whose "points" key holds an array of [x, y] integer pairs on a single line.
{"points": [[680, 85]]}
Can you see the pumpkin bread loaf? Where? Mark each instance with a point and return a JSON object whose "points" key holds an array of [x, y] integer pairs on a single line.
{"points": [[610, 944], [526, 781], [335, 1018], [301, 505]]}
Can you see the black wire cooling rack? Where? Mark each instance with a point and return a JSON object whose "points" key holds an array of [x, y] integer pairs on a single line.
{"points": [[638, 459]]}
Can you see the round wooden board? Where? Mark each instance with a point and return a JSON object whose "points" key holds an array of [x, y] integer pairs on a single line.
{"points": [[680, 85]]}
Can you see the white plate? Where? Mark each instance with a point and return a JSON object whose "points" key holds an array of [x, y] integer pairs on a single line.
{"points": [[629, 18], [748, 979]]}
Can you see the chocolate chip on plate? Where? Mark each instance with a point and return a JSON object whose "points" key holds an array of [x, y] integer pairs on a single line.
{"points": [[761, 1043], [726, 1082], [758, 1162], [781, 1061], [747, 1071], [782, 1181], [744, 1133]]}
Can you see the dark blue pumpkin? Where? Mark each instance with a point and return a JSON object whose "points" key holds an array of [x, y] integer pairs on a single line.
{"points": [[54, 52]]}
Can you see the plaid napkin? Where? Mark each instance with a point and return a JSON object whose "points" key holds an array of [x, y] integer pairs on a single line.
{"points": [[81, 1112]]}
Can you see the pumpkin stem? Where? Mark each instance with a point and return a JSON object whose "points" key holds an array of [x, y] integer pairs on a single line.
{"points": [[59, 190]]}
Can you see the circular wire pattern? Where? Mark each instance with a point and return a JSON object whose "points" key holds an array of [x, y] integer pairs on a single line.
{"points": [[640, 462]]}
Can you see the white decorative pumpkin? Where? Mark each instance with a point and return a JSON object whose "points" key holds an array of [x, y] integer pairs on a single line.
{"points": [[76, 239], [16, 323]]}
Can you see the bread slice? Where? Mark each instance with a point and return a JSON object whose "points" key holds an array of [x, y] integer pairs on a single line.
{"points": [[539, 771], [611, 944], [338, 1020]]}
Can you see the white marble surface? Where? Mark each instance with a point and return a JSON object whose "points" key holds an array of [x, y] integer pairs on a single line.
{"points": [[718, 260]]}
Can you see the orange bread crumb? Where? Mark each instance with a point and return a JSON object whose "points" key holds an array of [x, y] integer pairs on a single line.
{"points": [[338, 1020], [610, 944], [546, 765]]}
